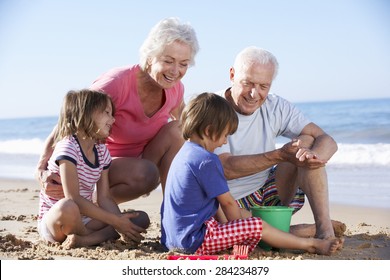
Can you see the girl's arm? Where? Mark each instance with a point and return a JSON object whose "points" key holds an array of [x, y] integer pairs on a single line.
{"points": [[112, 216], [105, 201], [104, 198], [70, 184], [229, 207]]}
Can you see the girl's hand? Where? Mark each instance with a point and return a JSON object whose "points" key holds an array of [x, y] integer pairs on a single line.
{"points": [[128, 229]]}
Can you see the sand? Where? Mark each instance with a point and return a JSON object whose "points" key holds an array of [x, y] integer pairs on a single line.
{"points": [[367, 236]]}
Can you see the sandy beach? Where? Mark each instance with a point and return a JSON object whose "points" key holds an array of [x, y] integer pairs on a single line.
{"points": [[367, 235]]}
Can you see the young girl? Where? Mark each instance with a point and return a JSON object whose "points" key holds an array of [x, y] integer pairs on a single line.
{"points": [[199, 215], [82, 161]]}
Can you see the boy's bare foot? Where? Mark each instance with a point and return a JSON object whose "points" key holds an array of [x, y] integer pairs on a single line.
{"points": [[326, 246]]}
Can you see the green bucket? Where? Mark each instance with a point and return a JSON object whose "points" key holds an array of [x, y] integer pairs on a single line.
{"points": [[277, 216]]}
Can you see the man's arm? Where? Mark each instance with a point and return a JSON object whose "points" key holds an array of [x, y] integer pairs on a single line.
{"points": [[245, 165], [321, 144], [313, 150]]}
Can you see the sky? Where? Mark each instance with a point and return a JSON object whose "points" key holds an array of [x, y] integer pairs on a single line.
{"points": [[327, 50]]}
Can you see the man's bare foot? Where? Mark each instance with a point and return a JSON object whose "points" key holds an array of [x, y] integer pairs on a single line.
{"points": [[303, 230], [326, 232], [339, 228], [326, 246], [309, 230]]}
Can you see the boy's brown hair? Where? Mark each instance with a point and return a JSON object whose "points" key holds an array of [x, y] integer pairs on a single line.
{"points": [[208, 110]]}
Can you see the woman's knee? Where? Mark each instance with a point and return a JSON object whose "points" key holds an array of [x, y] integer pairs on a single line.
{"points": [[133, 172], [148, 175], [170, 135], [131, 178]]}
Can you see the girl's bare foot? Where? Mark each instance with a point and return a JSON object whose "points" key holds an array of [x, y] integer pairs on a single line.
{"points": [[326, 246], [71, 241]]}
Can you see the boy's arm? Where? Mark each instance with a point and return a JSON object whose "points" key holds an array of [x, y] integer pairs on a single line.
{"points": [[229, 208]]}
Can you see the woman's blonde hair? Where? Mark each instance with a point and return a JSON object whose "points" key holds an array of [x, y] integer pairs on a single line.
{"points": [[165, 33]]}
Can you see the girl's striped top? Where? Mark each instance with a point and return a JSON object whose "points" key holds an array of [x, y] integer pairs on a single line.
{"points": [[88, 173]]}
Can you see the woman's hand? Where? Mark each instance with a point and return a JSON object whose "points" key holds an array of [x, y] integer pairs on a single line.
{"points": [[50, 183]]}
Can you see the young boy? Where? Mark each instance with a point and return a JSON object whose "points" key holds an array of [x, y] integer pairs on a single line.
{"points": [[199, 215]]}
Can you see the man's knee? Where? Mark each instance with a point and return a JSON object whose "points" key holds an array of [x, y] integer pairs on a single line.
{"points": [[307, 141]]}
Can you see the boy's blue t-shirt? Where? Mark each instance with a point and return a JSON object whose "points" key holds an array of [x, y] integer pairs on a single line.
{"points": [[194, 181]]}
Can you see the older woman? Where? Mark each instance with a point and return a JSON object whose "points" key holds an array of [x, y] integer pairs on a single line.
{"points": [[149, 99]]}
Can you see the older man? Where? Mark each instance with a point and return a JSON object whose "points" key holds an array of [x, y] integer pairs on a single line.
{"points": [[257, 172]]}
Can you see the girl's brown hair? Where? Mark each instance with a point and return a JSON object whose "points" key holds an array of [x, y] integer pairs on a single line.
{"points": [[208, 110], [77, 111]]}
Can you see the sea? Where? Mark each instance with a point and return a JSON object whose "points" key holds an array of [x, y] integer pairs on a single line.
{"points": [[358, 174]]}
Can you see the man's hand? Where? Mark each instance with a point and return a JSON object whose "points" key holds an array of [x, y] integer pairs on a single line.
{"points": [[308, 159], [300, 156]]}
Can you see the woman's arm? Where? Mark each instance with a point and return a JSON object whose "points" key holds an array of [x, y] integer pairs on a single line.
{"points": [[50, 182], [45, 156], [175, 113]]}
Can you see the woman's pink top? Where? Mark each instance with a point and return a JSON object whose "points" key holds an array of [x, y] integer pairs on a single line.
{"points": [[132, 129]]}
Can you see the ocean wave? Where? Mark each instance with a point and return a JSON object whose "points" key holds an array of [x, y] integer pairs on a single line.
{"points": [[360, 154], [22, 146], [351, 154], [355, 154]]}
